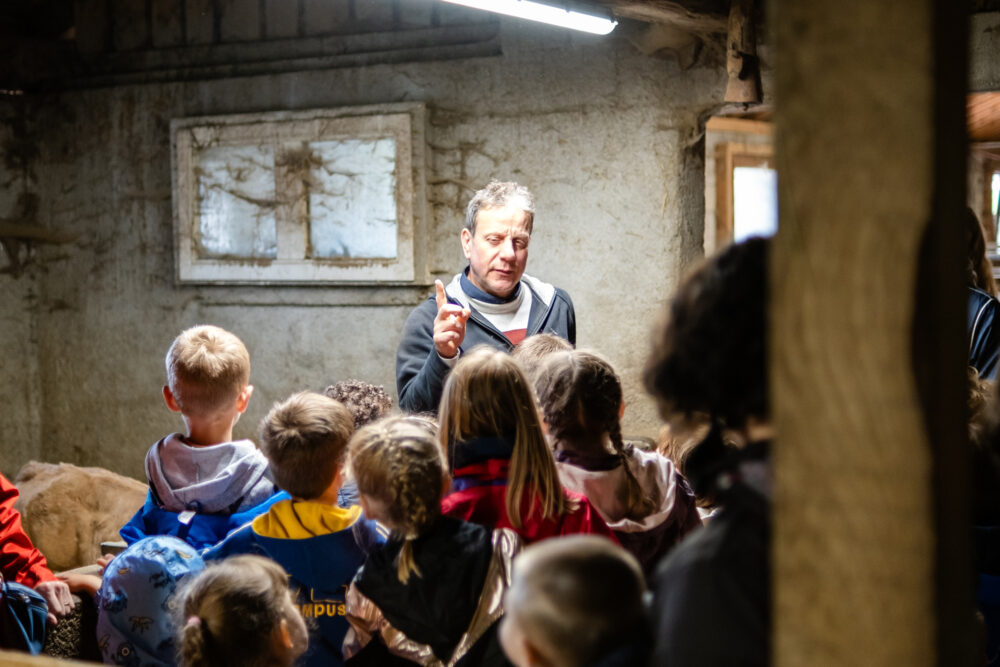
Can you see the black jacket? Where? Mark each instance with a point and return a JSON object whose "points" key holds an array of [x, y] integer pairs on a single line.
{"points": [[420, 372]]}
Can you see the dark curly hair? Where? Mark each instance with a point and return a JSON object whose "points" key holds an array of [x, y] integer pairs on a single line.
{"points": [[367, 402], [710, 357]]}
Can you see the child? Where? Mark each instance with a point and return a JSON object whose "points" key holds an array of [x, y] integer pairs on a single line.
{"points": [[202, 484], [639, 494], [134, 624], [575, 602], [433, 590], [533, 350], [320, 544], [239, 613], [504, 475], [367, 402]]}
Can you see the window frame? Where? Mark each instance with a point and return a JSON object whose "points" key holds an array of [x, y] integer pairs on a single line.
{"points": [[403, 122]]}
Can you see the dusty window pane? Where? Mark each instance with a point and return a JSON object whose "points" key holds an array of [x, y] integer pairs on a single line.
{"points": [[236, 202], [352, 202]]}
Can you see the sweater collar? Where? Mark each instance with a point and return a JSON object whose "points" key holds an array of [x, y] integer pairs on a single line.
{"points": [[478, 450], [477, 294]]}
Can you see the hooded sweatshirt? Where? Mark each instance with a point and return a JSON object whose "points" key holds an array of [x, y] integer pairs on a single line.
{"points": [[602, 479], [200, 494], [321, 548], [215, 479]]}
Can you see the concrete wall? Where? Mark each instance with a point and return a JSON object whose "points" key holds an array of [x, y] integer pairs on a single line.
{"points": [[602, 134]]}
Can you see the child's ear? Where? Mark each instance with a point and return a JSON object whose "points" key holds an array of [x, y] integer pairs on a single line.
{"points": [[533, 655], [621, 410], [285, 635], [244, 398], [168, 396]]}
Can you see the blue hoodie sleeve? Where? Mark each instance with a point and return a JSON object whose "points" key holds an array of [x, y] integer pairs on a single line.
{"points": [[135, 529]]}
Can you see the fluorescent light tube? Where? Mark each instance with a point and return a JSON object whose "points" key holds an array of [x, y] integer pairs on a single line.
{"points": [[536, 11]]}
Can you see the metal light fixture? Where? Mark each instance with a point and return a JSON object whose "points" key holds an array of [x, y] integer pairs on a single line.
{"points": [[537, 11]]}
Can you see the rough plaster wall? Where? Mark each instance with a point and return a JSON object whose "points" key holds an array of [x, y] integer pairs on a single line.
{"points": [[984, 44], [19, 398], [598, 131]]}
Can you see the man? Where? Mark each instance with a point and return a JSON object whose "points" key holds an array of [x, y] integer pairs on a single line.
{"points": [[492, 302]]}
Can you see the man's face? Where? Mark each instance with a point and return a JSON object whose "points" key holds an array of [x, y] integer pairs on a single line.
{"points": [[498, 252]]}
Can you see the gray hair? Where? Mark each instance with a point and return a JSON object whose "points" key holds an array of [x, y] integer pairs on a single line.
{"points": [[499, 194]]}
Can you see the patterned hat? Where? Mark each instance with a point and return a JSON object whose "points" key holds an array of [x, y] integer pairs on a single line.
{"points": [[135, 624]]}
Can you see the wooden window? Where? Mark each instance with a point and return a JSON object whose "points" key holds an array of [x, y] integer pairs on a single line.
{"points": [[321, 196], [746, 191]]}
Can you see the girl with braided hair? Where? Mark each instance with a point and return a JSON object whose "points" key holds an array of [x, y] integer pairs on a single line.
{"points": [[432, 594], [640, 494]]}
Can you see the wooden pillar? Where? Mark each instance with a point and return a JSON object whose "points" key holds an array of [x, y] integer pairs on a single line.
{"points": [[871, 559]]}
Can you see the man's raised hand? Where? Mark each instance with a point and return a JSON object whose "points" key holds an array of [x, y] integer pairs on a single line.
{"points": [[449, 324]]}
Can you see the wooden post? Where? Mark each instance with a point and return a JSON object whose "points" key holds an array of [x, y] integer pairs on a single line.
{"points": [[871, 559], [742, 63]]}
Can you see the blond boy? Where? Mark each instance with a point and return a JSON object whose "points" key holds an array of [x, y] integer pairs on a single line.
{"points": [[202, 483]]}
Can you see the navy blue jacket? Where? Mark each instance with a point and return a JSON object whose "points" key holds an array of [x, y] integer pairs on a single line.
{"points": [[420, 372], [320, 569], [984, 334]]}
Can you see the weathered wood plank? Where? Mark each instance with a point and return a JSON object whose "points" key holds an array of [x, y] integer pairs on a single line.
{"points": [[93, 26], [240, 20], [130, 25], [281, 18], [868, 339], [168, 26], [322, 17], [199, 16]]}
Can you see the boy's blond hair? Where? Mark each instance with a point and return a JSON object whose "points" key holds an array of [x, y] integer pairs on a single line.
{"points": [[576, 598], [207, 368], [305, 438]]}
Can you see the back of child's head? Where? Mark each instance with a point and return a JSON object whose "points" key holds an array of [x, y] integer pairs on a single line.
{"points": [[574, 599], [533, 350], [305, 439], [581, 400], [207, 368], [239, 612], [134, 623], [487, 395], [397, 464], [366, 401]]}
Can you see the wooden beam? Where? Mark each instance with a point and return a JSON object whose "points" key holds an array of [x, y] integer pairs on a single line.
{"points": [[868, 350], [742, 63], [23, 232], [702, 21]]}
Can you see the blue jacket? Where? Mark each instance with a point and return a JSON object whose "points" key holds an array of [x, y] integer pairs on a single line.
{"points": [[420, 372], [320, 566], [984, 334], [200, 530]]}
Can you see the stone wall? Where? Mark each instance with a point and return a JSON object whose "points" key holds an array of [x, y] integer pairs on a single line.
{"points": [[606, 138]]}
